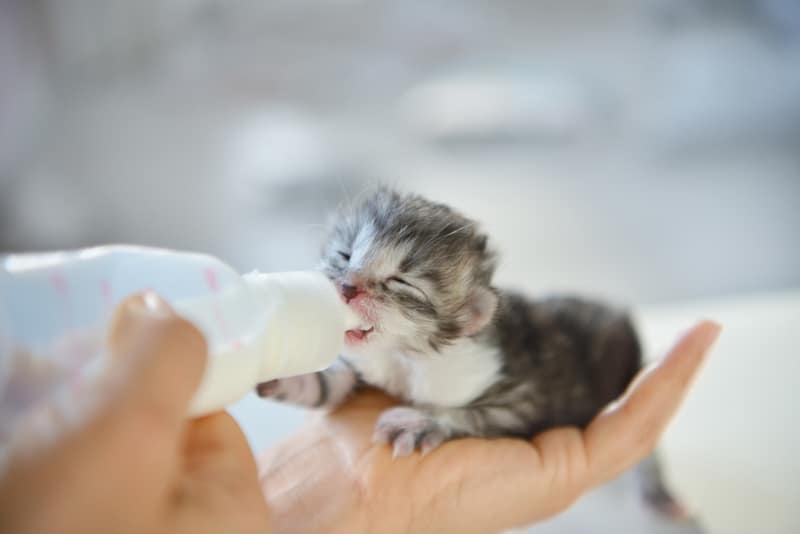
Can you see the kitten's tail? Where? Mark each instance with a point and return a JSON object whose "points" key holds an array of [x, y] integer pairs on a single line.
{"points": [[657, 495]]}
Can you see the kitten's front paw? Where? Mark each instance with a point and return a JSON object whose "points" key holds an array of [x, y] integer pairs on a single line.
{"points": [[304, 390], [407, 429]]}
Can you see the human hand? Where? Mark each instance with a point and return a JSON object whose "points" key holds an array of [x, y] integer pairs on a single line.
{"points": [[134, 464], [330, 478]]}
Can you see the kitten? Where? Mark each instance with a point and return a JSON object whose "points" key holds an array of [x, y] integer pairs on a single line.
{"points": [[467, 358]]}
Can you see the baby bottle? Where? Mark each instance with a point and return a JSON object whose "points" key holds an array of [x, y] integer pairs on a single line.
{"points": [[55, 308]]}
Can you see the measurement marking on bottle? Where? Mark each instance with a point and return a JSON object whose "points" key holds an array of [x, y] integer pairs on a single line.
{"points": [[212, 281], [62, 289], [59, 283], [105, 289]]}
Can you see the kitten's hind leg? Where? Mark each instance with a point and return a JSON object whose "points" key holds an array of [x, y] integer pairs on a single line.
{"points": [[324, 389]]}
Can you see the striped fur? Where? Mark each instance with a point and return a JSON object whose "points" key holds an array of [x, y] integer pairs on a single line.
{"points": [[468, 359]]}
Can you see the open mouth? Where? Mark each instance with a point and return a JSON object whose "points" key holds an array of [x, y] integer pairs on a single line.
{"points": [[358, 335]]}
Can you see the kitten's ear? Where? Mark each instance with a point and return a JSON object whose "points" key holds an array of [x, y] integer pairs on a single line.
{"points": [[481, 307]]}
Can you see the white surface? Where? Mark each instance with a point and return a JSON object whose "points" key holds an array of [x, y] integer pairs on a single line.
{"points": [[731, 452]]}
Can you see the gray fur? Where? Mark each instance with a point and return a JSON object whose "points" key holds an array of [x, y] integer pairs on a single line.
{"points": [[446, 250], [564, 358], [561, 359]]}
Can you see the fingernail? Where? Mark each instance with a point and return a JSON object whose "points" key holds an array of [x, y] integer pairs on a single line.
{"points": [[712, 330], [134, 314], [151, 305]]}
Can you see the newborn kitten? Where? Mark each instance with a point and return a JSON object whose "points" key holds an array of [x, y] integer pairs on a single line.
{"points": [[467, 358]]}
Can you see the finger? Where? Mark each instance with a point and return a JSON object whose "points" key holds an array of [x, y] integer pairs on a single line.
{"points": [[130, 438], [218, 461], [216, 448], [158, 360], [629, 429]]}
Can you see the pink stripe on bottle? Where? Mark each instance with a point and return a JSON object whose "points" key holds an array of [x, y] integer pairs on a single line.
{"points": [[211, 279], [105, 289], [60, 283]]}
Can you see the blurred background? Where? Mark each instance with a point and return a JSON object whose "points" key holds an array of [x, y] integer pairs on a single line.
{"points": [[646, 151]]}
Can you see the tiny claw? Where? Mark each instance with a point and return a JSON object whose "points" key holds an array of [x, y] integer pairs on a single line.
{"points": [[430, 442], [403, 445]]}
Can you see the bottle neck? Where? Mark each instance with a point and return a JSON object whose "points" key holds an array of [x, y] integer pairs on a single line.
{"points": [[304, 325]]}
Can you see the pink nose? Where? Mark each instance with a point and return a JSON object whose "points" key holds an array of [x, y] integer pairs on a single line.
{"points": [[349, 291]]}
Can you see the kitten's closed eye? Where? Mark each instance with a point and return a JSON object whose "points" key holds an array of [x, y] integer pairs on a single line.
{"points": [[345, 256], [396, 283]]}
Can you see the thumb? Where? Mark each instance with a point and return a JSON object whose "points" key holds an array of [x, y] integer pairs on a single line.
{"points": [[158, 359]]}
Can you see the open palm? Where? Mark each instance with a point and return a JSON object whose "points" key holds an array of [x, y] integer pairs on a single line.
{"points": [[330, 477]]}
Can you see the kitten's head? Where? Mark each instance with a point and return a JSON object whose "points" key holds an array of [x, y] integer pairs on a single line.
{"points": [[417, 272]]}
